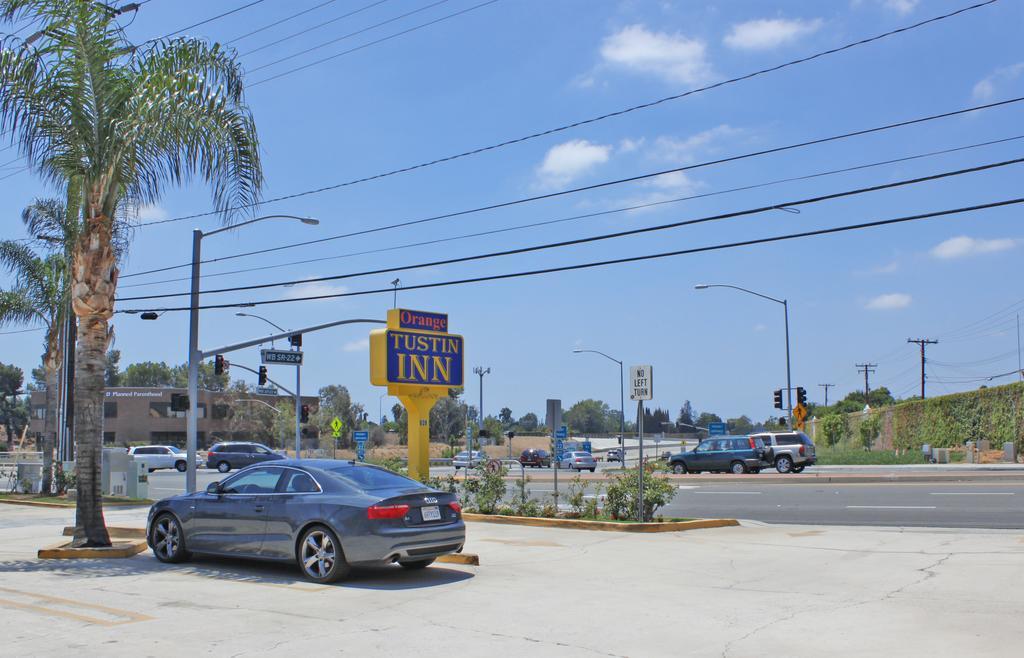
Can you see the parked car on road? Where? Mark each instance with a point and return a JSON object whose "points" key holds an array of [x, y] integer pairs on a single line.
{"points": [[326, 515], [463, 460], [578, 460], [735, 454], [157, 457], [226, 456], [535, 458], [788, 452]]}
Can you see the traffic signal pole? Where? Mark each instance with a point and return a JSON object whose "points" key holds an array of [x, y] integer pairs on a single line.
{"points": [[298, 411], [789, 380]]}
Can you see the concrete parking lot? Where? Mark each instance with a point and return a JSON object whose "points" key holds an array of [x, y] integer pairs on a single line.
{"points": [[754, 590]]}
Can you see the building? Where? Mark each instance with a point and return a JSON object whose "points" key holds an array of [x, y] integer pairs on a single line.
{"points": [[133, 416]]}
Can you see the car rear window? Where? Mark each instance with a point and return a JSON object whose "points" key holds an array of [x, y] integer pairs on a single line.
{"points": [[788, 440], [370, 477]]}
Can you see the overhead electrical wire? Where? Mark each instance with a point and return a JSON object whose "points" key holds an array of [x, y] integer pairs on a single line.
{"points": [[600, 213], [606, 236], [374, 42], [285, 20], [604, 263], [602, 117], [208, 20], [586, 188]]}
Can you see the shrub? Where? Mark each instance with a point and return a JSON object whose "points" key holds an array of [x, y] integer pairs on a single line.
{"points": [[622, 499], [869, 430], [486, 491], [835, 428]]}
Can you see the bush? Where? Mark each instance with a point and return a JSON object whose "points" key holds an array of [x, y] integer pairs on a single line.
{"points": [[835, 428], [393, 464], [622, 499], [869, 430], [485, 492]]}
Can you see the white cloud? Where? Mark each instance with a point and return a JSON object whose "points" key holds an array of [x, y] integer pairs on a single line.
{"points": [[570, 160], [674, 57], [901, 7], [628, 145], [986, 88], [313, 289], [963, 246], [889, 301], [666, 187], [768, 33], [685, 150], [360, 345], [151, 214]]}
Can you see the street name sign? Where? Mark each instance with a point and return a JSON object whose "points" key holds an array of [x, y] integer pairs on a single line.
{"points": [[266, 390], [290, 357], [641, 383]]}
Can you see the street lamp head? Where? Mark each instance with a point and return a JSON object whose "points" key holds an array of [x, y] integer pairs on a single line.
{"points": [[701, 286], [576, 350], [150, 315], [310, 221]]}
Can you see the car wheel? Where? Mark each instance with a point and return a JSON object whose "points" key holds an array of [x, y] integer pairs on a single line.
{"points": [[181, 467], [223, 467], [168, 540], [784, 464], [593, 469], [738, 468], [679, 468], [798, 469], [320, 556], [415, 564], [755, 470]]}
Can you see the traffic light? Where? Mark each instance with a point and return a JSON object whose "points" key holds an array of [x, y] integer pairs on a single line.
{"points": [[304, 417], [801, 395], [263, 376], [510, 434], [295, 341], [179, 402], [219, 364], [778, 398]]}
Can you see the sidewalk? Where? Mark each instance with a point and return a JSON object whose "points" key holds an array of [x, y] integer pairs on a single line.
{"points": [[748, 591]]}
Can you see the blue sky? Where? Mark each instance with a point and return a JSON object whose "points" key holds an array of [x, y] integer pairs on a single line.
{"points": [[519, 66]]}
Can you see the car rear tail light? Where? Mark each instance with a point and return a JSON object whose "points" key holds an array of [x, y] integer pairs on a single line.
{"points": [[386, 511], [752, 446], [455, 507], [801, 450]]}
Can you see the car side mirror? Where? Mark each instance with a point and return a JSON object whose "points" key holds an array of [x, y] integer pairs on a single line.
{"points": [[214, 488]]}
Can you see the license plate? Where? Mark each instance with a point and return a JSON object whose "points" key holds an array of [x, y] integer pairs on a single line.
{"points": [[432, 513]]}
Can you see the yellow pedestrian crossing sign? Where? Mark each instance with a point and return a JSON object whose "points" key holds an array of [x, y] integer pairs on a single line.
{"points": [[800, 412], [336, 425]]}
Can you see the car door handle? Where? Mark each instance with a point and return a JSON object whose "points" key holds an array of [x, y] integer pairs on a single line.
{"points": [[258, 508]]}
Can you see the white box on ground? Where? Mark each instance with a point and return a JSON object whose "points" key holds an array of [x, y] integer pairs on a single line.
{"points": [[641, 383]]}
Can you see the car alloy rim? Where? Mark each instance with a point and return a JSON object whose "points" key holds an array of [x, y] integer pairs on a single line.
{"points": [[318, 554], [737, 469], [168, 537]]}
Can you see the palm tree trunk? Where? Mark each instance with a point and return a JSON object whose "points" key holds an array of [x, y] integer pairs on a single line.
{"points": [[50, 420], [93, 281]]}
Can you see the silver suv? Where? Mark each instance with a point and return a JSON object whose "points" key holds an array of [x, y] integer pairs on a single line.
{"points": [[788, 452]]}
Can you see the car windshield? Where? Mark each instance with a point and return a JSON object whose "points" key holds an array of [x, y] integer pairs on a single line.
{"points": [[177, 450], [369, 478]]}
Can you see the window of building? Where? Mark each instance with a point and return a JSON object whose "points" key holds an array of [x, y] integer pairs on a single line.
{"points": [[110, 410], [109, 438], [39, 412], [221, 411], [163, 410]]}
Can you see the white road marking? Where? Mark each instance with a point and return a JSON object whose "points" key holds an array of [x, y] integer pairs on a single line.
{"points": [[972, 493], [890, 507], [731, 493], [689, 486]]}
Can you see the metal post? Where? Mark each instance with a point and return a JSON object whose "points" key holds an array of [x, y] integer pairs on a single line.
{"points": [[622, 417], [640, 427], [192, 422], [298, 412], [1019, 367], [789, 381]]}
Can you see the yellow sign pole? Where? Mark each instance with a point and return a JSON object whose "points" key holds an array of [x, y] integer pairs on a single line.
{"points": [[417, 406]]}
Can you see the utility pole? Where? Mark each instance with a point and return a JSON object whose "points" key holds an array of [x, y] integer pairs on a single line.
{"points": [[1019, 367], [922, 342], [480, 370], [866, 368], [826, 387]]}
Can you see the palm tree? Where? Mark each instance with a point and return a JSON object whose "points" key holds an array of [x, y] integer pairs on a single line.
{"points": [[113, 123], [40, 295]]}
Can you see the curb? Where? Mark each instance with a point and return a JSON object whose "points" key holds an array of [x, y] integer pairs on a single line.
{"points": [[579, 524], [114, 532], [121, 549], [70, 504], [461, 558]]}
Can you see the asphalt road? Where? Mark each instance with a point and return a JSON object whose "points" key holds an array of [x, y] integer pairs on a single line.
{"points": [[937, 505]]}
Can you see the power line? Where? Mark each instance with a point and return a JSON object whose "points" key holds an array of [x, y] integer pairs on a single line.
{"points": [[576, 190], [21, 331], [208, 20], [285, 20], [560, 220], [376, 41], [602, 117], [606, 236], [603, 263]]}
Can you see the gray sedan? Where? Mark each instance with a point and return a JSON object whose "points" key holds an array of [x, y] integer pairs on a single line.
{"points": [[578, 460], [326, 515]]}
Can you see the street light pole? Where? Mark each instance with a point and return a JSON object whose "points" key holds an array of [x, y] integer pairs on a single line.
{"points": [[622, 403], [785, 307], [479, 370], [194, 357]]}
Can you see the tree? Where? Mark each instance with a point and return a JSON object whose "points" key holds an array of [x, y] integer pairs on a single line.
{"points": [[686, 413], [13, 415], [528, 422], [114, 123], [396, 411], [111, 372], [741, 425], [707, 417], [505, 416], [588, 417], [869, 430], [448, 420], [835, 427], [656, 420], [335, 402], [493, 428], [148, 374]]}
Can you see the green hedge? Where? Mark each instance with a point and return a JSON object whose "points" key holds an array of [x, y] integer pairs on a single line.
{"points": [[995, 413]]}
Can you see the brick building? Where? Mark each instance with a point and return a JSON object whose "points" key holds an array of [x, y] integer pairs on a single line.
{"points": [[144, 415]]}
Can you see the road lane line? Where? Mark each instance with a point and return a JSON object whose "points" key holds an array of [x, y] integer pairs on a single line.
{"points": [[890, 507], [730, 493], [971, 493]]}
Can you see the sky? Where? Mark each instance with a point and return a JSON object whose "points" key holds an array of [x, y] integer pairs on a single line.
{"points": [[517, 67]]}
